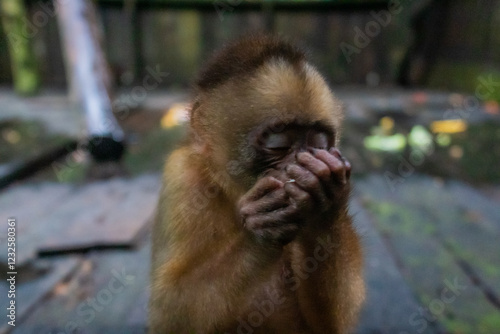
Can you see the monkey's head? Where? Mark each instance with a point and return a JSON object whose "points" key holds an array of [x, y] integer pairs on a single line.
{"points": [[258, 103]]}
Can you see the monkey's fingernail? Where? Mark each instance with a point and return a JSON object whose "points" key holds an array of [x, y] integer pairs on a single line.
{"points": [[336, 153], [290, 181]]}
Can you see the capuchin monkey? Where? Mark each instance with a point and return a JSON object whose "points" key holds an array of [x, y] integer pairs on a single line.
{"points": [[252, 233]]}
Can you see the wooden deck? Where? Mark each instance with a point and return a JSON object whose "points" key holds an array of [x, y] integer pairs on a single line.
{"points": [[432, 256]]}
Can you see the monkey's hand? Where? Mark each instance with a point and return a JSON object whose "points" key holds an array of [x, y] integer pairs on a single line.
{"points": [[266, 212], [319, 183]]}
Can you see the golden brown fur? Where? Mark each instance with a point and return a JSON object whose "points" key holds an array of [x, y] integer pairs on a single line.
{"points": [[209, 274]]}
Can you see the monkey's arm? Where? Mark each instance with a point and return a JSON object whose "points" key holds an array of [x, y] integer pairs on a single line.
{"points": [[204, 264], [330, 261], [326, 255]]}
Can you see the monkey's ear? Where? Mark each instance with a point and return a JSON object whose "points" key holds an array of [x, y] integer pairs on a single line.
{"points": [[194, 117], [197, 130], [194, 107]]}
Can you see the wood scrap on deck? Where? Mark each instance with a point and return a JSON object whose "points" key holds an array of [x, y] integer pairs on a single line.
{"points": [[55, 218]]}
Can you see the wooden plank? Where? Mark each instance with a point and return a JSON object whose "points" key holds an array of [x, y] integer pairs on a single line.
{"points": [[492, 192], [105, 214], [102, 297], [29, 166], [80, 201], [469, 226], [53, 217], [449, 294], [390, 305], [29, 204], [31, 291], [385, 289], [477, 203]]}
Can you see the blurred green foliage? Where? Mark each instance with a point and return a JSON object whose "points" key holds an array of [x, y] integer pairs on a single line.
{"points": [[464, 77], [23, 139]]}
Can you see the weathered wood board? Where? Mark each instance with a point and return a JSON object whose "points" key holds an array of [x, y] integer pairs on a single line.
{"points": [[492, 192], [28, 204], [416, 241], [107, 294], [55, 217], [431, 236], [30, 292], [390, 306], [464, 221], [102, 214]]}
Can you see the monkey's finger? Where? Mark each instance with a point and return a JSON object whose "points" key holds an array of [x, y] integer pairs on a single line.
{"points": [[301, 198], [348, 169], [262, 187], [306, 181], [271, 201], [337, 164], [274, 219], [331, 158], [347, 164], [315, 165], [281, 234]]}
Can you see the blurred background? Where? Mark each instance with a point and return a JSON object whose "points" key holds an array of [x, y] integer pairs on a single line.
{"points": [[93, 97]]}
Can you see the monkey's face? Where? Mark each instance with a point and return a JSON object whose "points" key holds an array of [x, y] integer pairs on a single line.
{"points": [[276, 145], [259, 123]]}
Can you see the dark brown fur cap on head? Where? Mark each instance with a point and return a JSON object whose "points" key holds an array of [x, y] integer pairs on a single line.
{"points": [[243, 57]]}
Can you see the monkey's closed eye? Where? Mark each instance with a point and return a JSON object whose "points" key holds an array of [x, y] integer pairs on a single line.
{"points": [[277, 141], [319, 140]]}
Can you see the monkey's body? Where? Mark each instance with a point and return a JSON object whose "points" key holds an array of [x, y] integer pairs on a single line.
{"points": [[238, 247]]}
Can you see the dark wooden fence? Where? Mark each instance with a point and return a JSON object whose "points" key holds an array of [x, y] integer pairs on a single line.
{"points": [[347, 41]]}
